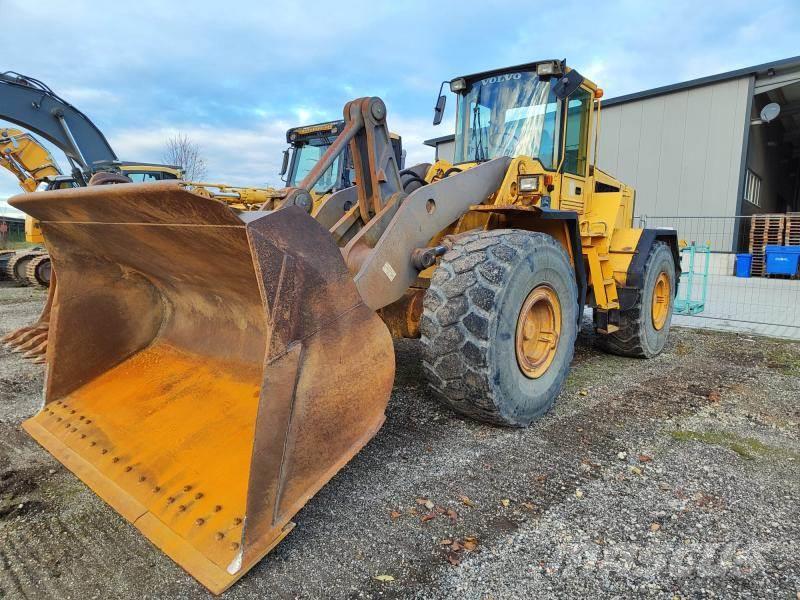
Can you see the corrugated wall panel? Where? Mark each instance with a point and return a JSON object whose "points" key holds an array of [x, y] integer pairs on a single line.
{"points": [[681, 151]]}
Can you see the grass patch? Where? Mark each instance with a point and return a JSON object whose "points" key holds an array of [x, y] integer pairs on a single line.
{"points": [[785, 359], [747, 448]]}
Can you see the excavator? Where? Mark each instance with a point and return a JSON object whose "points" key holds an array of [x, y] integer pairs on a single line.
{"points": [[32, 164], [207, 396]]}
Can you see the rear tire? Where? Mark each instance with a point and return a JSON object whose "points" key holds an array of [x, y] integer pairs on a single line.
{"points": [[638, 336], [469, 327]]}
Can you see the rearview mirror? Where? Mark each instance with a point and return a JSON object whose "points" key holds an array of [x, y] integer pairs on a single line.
{"points": [[438, 111], [285, 164], [567, 85]]}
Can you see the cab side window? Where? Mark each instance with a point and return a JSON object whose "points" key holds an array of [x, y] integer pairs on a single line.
{"points": [[575, 149], [139, 177]]}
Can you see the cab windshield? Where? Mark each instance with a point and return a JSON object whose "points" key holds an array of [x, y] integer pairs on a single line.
{"points": [[306, 158], [512, 114]]}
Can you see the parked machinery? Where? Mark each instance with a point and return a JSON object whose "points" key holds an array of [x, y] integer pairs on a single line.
{"points": [[207, 395], [307, 144]]}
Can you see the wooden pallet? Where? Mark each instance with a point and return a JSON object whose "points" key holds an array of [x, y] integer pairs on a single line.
{"points": [[792, 229], [765, 230]]}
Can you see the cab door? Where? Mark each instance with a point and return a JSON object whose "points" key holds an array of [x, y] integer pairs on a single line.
{"points": [[575, 149]]}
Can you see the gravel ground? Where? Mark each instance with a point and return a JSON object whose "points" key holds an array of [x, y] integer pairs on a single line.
{"points": [[674, 477]]}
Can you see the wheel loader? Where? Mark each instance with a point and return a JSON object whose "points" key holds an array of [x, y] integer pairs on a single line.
{"points": [[207, 396], [307, 144]]}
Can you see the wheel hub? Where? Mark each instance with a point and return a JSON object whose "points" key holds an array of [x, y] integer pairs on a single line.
{"points": [[660, 301], [538, 331]]}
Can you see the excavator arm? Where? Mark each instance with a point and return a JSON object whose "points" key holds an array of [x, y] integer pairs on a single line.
{"points": [[31, 104], [29, 161]]}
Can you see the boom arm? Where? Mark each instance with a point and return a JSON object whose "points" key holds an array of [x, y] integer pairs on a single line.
{"points": [[29, 103], [26, 158]]}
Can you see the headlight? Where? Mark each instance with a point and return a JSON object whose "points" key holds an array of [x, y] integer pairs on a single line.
{"points": [[528, 183], [458, 85], [546, 69]]}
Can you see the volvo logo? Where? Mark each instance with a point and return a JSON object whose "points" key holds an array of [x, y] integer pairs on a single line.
{"points": [[501, 78]]}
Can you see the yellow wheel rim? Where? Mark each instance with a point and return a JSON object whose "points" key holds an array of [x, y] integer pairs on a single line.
{"points": [[660, 301], [538, 330]]}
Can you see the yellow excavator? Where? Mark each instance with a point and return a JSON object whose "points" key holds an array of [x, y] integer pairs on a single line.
{"points": [[208, 395], [32, 164]]}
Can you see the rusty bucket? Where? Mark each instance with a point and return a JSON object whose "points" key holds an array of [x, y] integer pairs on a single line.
{"points": [[206, 376]]}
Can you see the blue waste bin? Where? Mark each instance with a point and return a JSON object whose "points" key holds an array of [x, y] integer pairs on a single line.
{"points": [[782, 260], [743, 263]]}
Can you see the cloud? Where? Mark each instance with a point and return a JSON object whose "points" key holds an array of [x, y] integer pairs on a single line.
{"points": [[235, 77]]}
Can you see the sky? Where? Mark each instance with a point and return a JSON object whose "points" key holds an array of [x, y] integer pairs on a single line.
{"points": [[234, 76]]}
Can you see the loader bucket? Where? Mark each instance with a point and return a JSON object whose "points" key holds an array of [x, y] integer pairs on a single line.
{"points": [[205, 376]]}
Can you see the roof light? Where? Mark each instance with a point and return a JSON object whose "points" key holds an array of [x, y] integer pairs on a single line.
{"points": [[458, 85], [546, 69]]}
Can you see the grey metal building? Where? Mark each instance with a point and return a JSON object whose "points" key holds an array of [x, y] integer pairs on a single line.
{"points": [[700, 148]]}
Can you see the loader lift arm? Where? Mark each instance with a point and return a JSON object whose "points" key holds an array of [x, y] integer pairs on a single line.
{"points": [[31, 104], [390, 224]]}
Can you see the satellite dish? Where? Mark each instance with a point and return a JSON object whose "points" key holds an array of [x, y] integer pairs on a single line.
{"points": [[770, 112]]}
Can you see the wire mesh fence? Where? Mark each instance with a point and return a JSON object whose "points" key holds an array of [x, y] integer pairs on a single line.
{"points": [[709, 262]]}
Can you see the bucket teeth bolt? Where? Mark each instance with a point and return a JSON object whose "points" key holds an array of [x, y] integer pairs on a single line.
{"points": [[219, 535], [237, 521]]}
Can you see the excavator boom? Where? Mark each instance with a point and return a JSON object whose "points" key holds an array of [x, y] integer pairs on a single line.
{"points": [[26, 159]]}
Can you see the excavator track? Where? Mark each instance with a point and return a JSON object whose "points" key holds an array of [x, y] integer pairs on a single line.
{"points": [[16, 267], [38, 272], [5, 256]]}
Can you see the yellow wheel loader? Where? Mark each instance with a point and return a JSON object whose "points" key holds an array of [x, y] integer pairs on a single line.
{"points": [[207, 396], [307, 144]]}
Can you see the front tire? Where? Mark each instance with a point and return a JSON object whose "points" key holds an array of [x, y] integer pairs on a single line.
{"points": [[484, 356]]}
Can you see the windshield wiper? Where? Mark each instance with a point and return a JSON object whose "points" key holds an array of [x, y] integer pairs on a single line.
{"points": [[477, 129]]}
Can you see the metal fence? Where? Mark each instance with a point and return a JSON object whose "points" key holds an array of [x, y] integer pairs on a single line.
{"points": [[767, 305]]}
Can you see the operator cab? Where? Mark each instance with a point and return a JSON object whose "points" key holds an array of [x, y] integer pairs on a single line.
{"points": [[519, 111], [309, 143]]}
